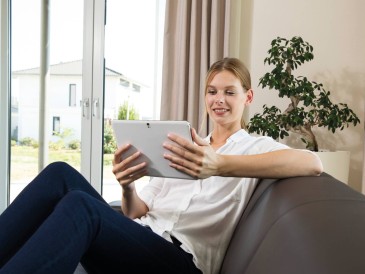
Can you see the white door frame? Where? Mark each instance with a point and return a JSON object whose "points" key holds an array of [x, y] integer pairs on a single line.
{"points": [[5, 103], [93, 93]]}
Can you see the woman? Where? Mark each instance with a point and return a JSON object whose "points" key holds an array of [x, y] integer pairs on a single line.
{"points": [[171, 226]]}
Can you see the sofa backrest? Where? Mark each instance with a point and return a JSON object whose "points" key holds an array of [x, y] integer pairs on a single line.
{"points": [[300, 225]]}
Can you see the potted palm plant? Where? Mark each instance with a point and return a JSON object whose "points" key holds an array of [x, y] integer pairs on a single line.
{"points": [[309, 102]]}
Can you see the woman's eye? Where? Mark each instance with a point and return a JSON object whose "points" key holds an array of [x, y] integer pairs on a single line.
{"points": [[230, 92], [211, 91]]}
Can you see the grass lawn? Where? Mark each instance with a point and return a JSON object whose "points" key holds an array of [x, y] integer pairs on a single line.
{"points": [[24, 167], [24, 161]]}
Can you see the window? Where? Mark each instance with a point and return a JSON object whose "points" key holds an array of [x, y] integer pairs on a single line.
{"points": [[56, 128], [72, 95], [136, 88], [124, 82]]}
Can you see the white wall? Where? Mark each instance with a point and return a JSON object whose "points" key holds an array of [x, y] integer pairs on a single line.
{"points": [[28, 97], [116, 95], [335, 28]]}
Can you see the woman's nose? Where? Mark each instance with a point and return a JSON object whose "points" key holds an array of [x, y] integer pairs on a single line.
{"points": [[219, 99]]}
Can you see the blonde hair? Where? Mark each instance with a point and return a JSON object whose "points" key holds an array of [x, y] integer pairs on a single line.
{"points": [[237, 68]]}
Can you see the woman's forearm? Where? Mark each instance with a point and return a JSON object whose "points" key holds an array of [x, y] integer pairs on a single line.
{"points": [[132, 206], [277, 164]]}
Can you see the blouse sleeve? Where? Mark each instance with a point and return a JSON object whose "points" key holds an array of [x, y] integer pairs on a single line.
{"points": [[266, 144], [151, 190]]}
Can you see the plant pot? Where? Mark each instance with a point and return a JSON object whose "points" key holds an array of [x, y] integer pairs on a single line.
{"points": [[336, 164]]}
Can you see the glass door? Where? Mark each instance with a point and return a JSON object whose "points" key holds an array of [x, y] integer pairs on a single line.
{"points": [[63, 92], [133, 60], [85, 91]]}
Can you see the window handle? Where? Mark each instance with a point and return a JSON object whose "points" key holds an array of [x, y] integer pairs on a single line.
{"points": [[85, 104], [96, 108]]}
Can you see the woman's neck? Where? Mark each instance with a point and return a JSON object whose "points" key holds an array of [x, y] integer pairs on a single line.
{"points": [[220, 135]]}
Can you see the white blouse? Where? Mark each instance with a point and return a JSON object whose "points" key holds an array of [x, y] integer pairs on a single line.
{"points": [[202, 214]]}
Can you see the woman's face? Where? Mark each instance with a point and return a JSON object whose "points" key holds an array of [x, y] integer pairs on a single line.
{"points": [[225, 99]]}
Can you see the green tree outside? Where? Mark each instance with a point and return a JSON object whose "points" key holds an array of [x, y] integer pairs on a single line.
{"points": [[123, 110]]}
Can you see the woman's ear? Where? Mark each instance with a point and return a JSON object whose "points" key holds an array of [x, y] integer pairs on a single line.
{"points": [[249, 97]]}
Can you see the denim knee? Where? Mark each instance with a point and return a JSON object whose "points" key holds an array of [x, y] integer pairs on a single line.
{"points": [[79, 205], [77, 198], [58, 167]]}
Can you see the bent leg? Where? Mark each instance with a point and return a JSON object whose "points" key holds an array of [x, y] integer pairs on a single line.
{"points": [[82, 226], [35, 203]]}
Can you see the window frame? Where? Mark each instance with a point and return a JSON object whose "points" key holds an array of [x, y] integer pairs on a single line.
{"points": [[5, 103], [93, 92]]}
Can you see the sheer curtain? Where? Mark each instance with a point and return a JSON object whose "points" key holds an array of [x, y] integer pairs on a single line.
{"points": [[196, 35]]}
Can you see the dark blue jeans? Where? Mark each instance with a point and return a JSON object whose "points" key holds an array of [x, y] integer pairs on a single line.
{"points": [[59, 220]]}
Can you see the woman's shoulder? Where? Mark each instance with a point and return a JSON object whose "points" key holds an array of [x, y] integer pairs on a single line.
{"points": [[258, 143]]}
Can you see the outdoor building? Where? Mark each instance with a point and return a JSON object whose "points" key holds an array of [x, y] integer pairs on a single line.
{"points": [[64, 99]]}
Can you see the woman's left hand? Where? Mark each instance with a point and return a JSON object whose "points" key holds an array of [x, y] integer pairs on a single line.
{"points": [[198, 160]]}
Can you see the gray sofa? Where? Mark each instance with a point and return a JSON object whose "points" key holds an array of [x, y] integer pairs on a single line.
{"points": [[299, 225]]}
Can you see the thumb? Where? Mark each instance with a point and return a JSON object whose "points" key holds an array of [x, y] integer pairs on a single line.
{"points": [[197, 139]]}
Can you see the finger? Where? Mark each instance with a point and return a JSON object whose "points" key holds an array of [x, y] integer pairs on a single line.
{"points": [[185, 170], [126, 162], [195, 171], [131, 174], [192, 155], [197, 139], [118, 153], [188, 150], [181, 141], [183, 163], [131, 178]]}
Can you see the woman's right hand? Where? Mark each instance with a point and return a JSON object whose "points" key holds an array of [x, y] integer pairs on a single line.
{"points": [[198, 160], [124, 173]]}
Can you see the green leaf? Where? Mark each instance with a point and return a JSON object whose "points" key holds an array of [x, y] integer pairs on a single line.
{"points": [[312, 107]]}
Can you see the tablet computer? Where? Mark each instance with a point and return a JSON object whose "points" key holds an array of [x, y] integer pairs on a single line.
{"points": [[148, 136]]}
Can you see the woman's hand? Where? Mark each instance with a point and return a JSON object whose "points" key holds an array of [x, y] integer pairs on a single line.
{"points": [[124, 173], [198, 160], [132, 205]]}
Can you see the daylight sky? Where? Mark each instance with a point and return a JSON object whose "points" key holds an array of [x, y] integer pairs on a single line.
{"points": [[129, 37]]}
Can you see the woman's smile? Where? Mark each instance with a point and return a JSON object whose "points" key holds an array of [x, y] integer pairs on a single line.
{"points": [[220, 111]]}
